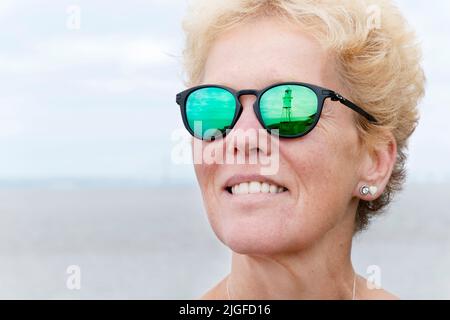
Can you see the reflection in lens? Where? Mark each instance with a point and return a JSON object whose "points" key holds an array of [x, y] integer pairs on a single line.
{"points": [[210, 111], [291, 109]]}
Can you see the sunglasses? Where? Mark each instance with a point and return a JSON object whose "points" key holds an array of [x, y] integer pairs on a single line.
{"points": [[292, 108]]}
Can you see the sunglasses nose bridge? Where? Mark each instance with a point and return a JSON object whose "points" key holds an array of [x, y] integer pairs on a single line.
{"points": [[246, 92], [247, 122]]}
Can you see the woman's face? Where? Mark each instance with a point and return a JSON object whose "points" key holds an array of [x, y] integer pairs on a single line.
{"points": [[319, 170]]}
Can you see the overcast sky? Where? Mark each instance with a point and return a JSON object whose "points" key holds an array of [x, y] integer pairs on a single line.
{"points": [[98, 102]]}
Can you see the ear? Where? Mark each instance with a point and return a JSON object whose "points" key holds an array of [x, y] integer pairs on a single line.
{"points": [[376, 167]]}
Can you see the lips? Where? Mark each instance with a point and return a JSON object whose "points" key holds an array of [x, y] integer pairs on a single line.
{"points": [[253, 184]]}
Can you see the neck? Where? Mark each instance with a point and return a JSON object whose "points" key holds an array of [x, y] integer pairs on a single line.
{"points": [[320, 271]]}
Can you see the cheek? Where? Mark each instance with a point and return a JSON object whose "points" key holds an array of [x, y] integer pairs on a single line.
{"points": [[202, 170], [206, 174], [324, 174], [205, 178], [323, 159]]}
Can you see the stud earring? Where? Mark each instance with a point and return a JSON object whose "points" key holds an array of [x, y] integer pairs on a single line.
{"points": [[365, 190]]}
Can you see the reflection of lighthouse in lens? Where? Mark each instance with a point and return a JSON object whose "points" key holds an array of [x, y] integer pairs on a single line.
{"points": [[289, 108], [287, 104]]}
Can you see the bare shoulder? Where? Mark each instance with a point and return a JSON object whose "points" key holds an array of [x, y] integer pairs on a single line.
{"points": [[216, 292], [368, 293]]}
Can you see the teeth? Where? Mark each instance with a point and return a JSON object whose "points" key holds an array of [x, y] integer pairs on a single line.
{"points": [[243, 188], [256, 187], [273, 188], [265, 187]]}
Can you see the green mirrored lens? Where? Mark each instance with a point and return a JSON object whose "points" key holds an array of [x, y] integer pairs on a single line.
{"points": [[210, 111], [291, 109]]}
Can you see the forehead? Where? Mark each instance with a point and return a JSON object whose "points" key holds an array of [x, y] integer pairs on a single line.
{"points": [[263, 52]]}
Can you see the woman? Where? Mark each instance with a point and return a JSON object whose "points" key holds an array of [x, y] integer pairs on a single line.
{"points": [[334, 87]]}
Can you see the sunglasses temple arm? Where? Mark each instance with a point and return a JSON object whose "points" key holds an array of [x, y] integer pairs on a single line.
{"points": [[351, 105]]}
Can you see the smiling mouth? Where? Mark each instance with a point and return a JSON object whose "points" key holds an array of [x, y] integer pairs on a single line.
{"points": [[255, 187]]}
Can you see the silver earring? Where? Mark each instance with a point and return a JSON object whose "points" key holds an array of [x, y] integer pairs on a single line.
{"points": [[365, 190]]}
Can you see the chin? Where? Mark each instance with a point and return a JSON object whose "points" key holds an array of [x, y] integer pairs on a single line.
{"points": [[254, 246], [260, 237]]}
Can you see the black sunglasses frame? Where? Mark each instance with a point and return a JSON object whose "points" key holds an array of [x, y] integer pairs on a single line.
{"points": [[321, 93]]}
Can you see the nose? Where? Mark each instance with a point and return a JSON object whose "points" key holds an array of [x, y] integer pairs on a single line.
{"points": [[248, 136]]}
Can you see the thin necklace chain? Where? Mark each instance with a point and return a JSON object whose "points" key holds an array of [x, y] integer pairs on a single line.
{"points": [[354, 286], [353, 290]]}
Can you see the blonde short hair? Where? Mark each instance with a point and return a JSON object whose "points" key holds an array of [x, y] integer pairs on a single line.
{"points": [[376, 54]]}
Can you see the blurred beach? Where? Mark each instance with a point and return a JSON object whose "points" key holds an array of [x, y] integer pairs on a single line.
{"points": [[156, 243]]}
